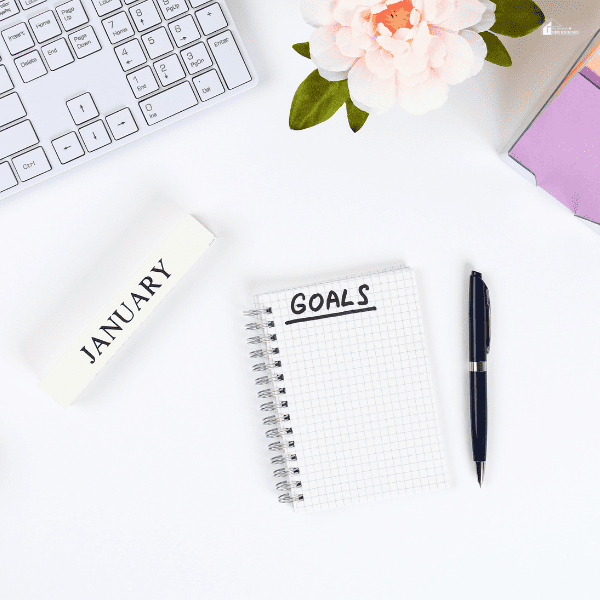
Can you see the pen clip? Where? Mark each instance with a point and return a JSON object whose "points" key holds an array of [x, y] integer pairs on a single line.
{"points": [[488, 315]]}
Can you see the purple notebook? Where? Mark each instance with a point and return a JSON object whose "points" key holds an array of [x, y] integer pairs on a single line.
{"points": [[562, 146]]}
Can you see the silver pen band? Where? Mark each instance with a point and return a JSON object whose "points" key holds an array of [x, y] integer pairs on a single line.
{"points": [[479, 367]]}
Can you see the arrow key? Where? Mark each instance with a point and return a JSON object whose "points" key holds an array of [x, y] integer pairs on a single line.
{"points": [[95, 136], [82, 108], [121, 124], [68, 148]]}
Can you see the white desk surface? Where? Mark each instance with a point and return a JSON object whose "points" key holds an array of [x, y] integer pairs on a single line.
{"points": [[155, 484]]}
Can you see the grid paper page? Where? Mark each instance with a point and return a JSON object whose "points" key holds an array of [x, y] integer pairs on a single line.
{"points": [[358, 389]]}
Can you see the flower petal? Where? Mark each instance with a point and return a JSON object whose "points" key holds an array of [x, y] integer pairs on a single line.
{"points": [[345, 42], [488, 19], [324, 51], [369, 92], [465, 14], [333, 75], [478, 47], [318, 13], [420, 99], [380, 63], [459, 59], [413, 78], [437, 52]]}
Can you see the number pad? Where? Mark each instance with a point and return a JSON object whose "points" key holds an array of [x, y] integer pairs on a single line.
{"points": [[145, 15], [118, 28], [157, 43], [142, 82], [130, 55], [196, 58], [184, 31], [172, 8], [169, 70]]}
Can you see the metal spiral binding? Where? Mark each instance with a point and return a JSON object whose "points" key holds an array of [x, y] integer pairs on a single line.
{"points": [[279, 420]]}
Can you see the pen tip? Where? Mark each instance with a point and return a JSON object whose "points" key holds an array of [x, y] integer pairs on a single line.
{"points": [[480, 471]]}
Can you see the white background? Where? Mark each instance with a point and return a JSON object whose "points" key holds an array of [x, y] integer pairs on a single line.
{"points": [[156, 484]]}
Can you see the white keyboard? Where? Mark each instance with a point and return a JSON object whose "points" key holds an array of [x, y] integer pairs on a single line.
{"points": [[83, 77]]}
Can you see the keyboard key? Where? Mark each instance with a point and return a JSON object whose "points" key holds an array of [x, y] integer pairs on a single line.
{"points": [[145, 15], [11, 109], [184, 31], [85, 42], [157, 43], [17, 38], [57, 54], [72, 14], [31, 164], [142, 82], [5, 80], [118, 28], [17, 138], [196, 58], [172, 8], [169, 70], [68, 148], [211, 19], [103, 7], [27, 4], [82, 109], [122, 124], [8, 8], [168, 103], [45, 26], [30, 66], [208, 85], [229, 59], [130, 55], [7, 178], [95, 136]]}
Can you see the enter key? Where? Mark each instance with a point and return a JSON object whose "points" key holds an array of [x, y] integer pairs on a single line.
{"points": [[228, 57]]}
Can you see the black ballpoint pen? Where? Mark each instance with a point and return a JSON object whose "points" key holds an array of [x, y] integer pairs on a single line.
{"points": [[479, 346]]}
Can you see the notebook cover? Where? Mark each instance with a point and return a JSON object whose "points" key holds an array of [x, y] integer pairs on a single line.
{"points": [[562, 147]]}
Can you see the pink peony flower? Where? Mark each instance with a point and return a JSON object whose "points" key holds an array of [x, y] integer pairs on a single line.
{"points": [[407, 51]]}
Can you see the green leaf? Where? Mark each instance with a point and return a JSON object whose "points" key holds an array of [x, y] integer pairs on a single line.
{"points": [[316, 100], [496, 52], [516, 18], [302, 49], [356, 117]]}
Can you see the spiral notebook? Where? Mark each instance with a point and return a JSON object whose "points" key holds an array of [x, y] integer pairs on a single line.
{"points": [[346, 391]]}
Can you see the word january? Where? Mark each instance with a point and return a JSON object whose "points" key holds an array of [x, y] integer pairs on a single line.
{"points": [[149, 286]]}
